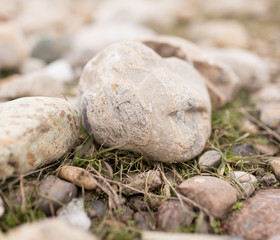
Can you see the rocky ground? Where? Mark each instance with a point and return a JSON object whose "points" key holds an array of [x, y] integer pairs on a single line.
{"points": [[139, 119]]}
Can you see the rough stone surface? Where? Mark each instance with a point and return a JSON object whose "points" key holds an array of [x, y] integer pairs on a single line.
{"points": [[172, 215], [74, 214], [49, 229], [149, 180], [138, 203], [221, 33], [35, 131], [78, 176], [268, 179], [248, 189], [259, 217], [133, 99], [13, 46], [251, 69], [275, 167], [244, 150], [209, 161], [214, 194], [221, 81], [52, 192], [144, 220]]}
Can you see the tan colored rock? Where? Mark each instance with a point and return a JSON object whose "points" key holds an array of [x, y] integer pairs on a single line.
{"points": [[259, 218], [220, 33], [133, 99], [270, 114], [2, 207], [78, 176], [251, 69], [13, 46], [267, 149], [49, 229], [144, 181], [275, 167], [214, 194], [35, 131], [221, 81]]}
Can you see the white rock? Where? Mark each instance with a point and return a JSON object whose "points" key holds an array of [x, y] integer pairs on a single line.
{"points": [[13, 46], [35, 131], [167, 13], [49, 229], [52, 17], [31, 65], [222, 33], [74, 214], [2, 207], [60, 70], [245, 177], [49, 81], [133, 99], [253, 71], [221, 89]]}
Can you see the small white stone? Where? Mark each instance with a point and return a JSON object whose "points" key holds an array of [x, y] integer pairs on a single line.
{"points": [[74, 214]]}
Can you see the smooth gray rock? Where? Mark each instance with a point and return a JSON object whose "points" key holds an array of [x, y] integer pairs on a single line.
{"points": [[35, 131], [49, 48], [133, 99], [97, 208], [52, 192], [244, 150], [245, 177], [214, 194], [209, 161]]}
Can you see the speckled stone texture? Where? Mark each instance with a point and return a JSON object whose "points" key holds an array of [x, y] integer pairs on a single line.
{"points": [[259, 218], [35, 131], [133, 99]]}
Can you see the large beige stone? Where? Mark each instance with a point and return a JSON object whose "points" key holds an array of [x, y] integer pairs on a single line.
{"points": [[49, 229], [221, 81], [133, 99], [35, 131], [13, 46], [214, 194]]}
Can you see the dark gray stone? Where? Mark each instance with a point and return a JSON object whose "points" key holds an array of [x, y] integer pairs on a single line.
{"points": [[144, 220], [137, 203], [49, 49], [209, 161], [52, 192], [244, 150], [97, 208], [268, 179]]}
